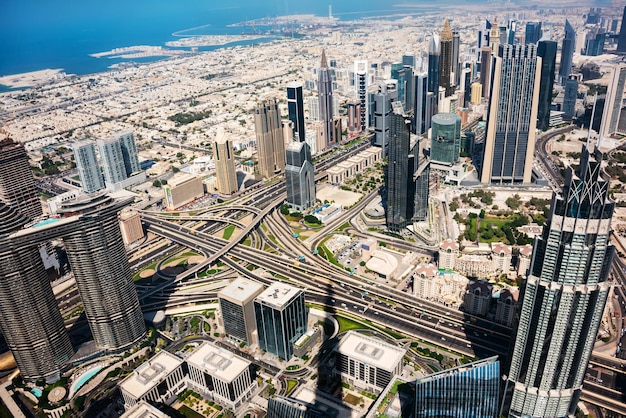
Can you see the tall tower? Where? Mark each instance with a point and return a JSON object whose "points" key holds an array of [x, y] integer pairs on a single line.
{"points": [[361, 83], [547, 51], [445, 62], [325, 95], [129, 151], [569, 98], [533, 32], [621, 40], [455, 78], [485, 71], [421, 118], [225, 165], [564, 297], [269, 138], [434, 57], [446, 138], [399, 209], [300, 176], [29, 315], [567, 51], [295, 107], [17, 185], [512, 117], [237, 305], [112, 160], [87, 164], [613, 101], [387, 93]]}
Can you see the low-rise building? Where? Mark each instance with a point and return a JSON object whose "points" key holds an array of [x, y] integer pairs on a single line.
{"points": [[505, 307], [183, 190], [474, 265], [501, 256], [478, 297], [143, 409], [130, 226], [523, 260], [448, 253]]}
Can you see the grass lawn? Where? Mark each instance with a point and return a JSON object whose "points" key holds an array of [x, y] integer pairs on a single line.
{"points": [[347, 324], [291, 385], [228, 231]]}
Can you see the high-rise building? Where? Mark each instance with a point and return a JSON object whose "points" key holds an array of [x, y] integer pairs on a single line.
{"points": [[621, 39], [455, 77], [547, 51], [613, 101], [295, 107], [512, 116], [17, 184], [282, 407], [354, 117], [563, 297], [300, 176], [112, 161], [387, 93], [237, 306], [569, 97], [87, 164], [445, 58], [408, 61], [482, 42], [281, 318], [470, 390], [595, 46], [477, 93], [567, 51], [325, 96], [446, 138], [399, 210], [361, 83], [225, 165], [533, 32], [434, 66], [269, 139], [29, 315], [485, 72], [420, 123], [129, 151]]}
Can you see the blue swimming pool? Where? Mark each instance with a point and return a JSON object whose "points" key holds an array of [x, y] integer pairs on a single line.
{"points": [[37, 392], [84, 378]]}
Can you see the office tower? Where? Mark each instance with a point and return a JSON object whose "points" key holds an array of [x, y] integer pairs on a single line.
{"points": [[408, 61], [512, 28], [446, 138], [269, 138], [112, 161], [494, 37], [314, 108], [282, 407], [613, 102], [547, 51], [300, 176], [29, 315], [399, 209], [129, 151], [354, 117], [325, 96], [418, 184], [17, 185], [564, 296], [533, 32], [295, 107], [225, 165], [485, 72], [337, 129], [445, 58], [477, 93], [361, 82], [98, 258], [466, 80], [387, 93], [512, 117], [433, 64], [569, 99], [87, 164], [406, 95], [621, 38], [419, 125], [482, 42], [237, 306], [470, 390], [595, 46], [567, 51], [281, 318], [455, 69]]}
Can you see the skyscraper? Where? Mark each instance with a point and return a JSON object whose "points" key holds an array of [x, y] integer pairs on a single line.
{"points": [[325, 95], [282, 407], [387, 93], [17, 185], [300, 176], [281, 318], [533, 32], [445, 63], [129, 151], [470, 390], [225, 165], [420, 122], [547, 51], [563, 297], [485, 71], [269, 139], [455, 69], [399, 177], [512, 117], [621, 39], [87, 164], [569, 97], [237, 305], [446, 138], [295, 107], [29, 315], [361, 82], [434, 65], [567, 51], [112, 160], [613, 101]]}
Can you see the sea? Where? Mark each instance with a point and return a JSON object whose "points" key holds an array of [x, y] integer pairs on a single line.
{"points": [[60, 34]]}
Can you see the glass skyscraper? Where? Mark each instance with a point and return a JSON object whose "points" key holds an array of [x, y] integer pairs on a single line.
{"points": [[466, 391], [433, 64], [446, 138], [445, 59], [87, 164], [295, 107], [398, 211], [300, 176], [563, 297], [533, 32], [567, 51], [325, 95], [569, 98], [547, 51]]}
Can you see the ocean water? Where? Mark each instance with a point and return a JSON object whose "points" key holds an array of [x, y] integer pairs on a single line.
{"points": [[40, 34]]}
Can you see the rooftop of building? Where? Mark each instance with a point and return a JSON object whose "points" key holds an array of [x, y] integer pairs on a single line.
{"points": [[427, 269], [218, 362], [526, 250], [456, 370], [278, 295], [150, 374], [449, 244], [501, 248], [241, 290], [181, 179], [143, 409], [372, 351]]}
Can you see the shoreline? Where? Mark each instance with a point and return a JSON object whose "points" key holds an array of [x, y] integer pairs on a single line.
{"points": [[31, 78]]}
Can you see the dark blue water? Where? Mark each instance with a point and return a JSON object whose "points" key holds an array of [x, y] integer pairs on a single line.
{"points": [[39, 34]]}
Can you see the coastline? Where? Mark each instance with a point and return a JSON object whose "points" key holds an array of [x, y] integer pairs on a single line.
{"points": [[31, 78]]}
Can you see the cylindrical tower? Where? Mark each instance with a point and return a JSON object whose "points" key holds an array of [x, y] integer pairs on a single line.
{"points": [[29, 316], [446, 138]]}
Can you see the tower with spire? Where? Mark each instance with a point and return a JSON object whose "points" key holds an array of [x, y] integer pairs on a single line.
{"points": [[325, 97], [445, 63]]}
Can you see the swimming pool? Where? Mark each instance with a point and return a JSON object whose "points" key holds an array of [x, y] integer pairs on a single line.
{"points": [[37, 392], [84, 378]]}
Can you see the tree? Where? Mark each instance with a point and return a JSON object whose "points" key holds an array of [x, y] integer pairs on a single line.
{"points": [[454, 205], [312, 219], [284, 209], [156, 183], [175, 169]]}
